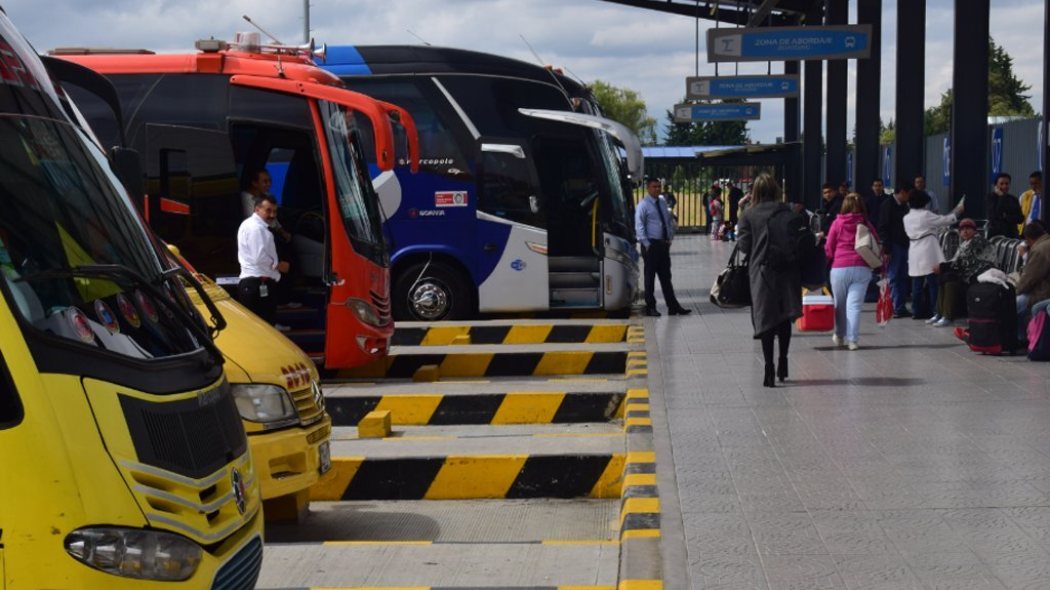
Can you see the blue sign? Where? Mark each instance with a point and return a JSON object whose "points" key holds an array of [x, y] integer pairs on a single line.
{"points": [[887, 166], [743, 111], [946, 174], [788, 43], [785, 86], [997, 151]]}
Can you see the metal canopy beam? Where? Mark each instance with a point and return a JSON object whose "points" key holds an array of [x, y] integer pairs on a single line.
{"points": [[738, 13], [969, 151], [835, 164], [761, 13], [868, 73], [812, 122], [911, 88]]}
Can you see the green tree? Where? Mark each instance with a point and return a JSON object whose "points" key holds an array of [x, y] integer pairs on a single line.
{"points": [[625, 106], [706, 133], [1006, 94]]}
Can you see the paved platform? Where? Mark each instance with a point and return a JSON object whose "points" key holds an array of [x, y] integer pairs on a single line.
{"points": [[433, 441], [910, 463]]}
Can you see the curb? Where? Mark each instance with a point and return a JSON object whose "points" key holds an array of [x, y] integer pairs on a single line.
{"points": [[641, 566], [458, 477], [491, 364], [509, 334], [549, 407]]}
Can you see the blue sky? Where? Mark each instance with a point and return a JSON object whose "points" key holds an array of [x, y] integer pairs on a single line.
{"points": [[649, 52]]}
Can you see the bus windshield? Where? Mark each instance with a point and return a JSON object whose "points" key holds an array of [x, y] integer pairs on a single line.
{"points": [[614, 172], [358, 202], [74, 256]]}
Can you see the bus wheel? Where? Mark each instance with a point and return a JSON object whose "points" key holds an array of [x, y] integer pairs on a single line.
{"points": [[429, 292]]}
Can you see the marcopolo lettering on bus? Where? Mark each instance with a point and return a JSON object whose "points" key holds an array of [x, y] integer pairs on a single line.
{"points": [[450, 199]]}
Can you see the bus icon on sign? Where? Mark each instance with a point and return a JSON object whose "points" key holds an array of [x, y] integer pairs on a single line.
{"points": [[851, 42]]}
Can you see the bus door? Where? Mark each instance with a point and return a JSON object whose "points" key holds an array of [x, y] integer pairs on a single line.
{"points": [[512, 228]]}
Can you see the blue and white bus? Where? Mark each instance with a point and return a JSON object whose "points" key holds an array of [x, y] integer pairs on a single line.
{"points": [[522, 202]]}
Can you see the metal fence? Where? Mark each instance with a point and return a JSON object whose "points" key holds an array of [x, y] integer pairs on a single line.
{"points": [[690, 181]]}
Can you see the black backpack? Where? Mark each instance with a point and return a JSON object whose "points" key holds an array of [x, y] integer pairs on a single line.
{"points": [[790, 240]]}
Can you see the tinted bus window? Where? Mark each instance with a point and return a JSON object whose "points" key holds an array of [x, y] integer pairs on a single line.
{"points": [[492, 103], [193, 100], [251, 104], [439, 151]]}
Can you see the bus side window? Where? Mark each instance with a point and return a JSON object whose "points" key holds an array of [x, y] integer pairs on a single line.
{"points": [[506, 189], [10, 406]]}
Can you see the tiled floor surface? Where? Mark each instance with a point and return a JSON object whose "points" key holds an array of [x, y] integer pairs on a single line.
{"points": [[910, 463]]}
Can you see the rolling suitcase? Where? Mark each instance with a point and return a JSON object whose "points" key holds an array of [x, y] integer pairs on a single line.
{"points": [[992, 310]]}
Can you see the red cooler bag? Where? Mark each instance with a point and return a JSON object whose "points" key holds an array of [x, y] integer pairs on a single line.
{"points": [[818, 314]]}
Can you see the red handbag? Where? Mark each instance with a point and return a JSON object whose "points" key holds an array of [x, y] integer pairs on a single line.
{"points": [[884, 307]]}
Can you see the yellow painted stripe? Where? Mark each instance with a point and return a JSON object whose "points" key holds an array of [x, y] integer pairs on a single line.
{"points": [[528, 408], [640, 407], [359, 543], [466, 365], [640, 534], [638, 422], [641, 457], [410, 409], [606, 333], [609, 484], [639, 479], [527, 334], [444, 335], [637, 372], [639, 505], [477, 476], [371, 588], [641, 585], [334, 483], [637, 393], [562, 363]]}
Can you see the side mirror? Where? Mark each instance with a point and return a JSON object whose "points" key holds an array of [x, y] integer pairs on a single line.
{"points": [[127, 165]]}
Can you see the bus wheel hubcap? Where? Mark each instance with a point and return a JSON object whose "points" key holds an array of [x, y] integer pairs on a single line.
{"points": [[429, 301]]}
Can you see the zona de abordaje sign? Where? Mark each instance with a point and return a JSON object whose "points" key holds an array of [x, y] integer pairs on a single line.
{"points": [[778, 86], [743, 111], [788, 43]]}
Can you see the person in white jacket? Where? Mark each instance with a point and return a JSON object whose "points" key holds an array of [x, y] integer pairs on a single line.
{"points": [[924, 253]]}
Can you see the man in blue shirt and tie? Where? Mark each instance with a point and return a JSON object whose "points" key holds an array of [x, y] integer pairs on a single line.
{"points": [[655, 231]]}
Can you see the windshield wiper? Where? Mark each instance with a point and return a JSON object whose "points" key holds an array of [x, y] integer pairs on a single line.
{"points": [[116, 272]]}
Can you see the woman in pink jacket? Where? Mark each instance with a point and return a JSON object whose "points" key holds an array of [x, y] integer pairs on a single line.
{"points": [[850, 275]]}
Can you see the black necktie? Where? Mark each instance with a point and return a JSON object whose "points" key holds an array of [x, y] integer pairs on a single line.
{"points": [[663, 223]]}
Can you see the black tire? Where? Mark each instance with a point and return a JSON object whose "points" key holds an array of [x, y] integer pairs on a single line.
{"points": [[449, 291]]}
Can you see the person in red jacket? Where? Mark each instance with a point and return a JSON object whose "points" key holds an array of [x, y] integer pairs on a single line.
{"points": [[850, 275]]}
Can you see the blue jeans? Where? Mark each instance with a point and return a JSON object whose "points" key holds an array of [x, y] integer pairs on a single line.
{"points": [[900, 282], [1023, 315], [848, 286], [920, 305]]}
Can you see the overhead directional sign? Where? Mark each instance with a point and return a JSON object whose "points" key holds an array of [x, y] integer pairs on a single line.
{"points": [[743, 111], [785, 86], [788, 43]]}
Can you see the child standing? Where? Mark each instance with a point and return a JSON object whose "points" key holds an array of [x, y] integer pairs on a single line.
{"points": [[717, 208]]}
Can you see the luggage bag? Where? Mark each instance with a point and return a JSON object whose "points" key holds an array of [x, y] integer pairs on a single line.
{"points": [[992, 310]]}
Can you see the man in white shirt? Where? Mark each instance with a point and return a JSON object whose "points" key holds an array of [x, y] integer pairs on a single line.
{"points": [[257, 254]]}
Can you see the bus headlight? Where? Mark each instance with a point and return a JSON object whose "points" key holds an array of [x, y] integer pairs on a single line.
{"points": [[268, 405], [135, 553], [364, 311]]}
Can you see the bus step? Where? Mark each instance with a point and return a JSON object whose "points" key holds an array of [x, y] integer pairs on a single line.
{"points": [[574, 280], [575, 298], [573, 264], [300, 317], [306, 339]]}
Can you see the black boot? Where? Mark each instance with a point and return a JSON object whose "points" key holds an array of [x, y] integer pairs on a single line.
{"points": [[782, 369], [768, 381]]}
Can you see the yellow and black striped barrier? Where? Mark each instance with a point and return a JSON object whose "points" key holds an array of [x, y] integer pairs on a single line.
{"points": [[434, 409], [491, 364], [445, 335], [622, 587], [472, 477], [639, 497]]}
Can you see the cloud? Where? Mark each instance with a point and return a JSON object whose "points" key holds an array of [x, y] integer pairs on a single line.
{"points": [[643, 50]]}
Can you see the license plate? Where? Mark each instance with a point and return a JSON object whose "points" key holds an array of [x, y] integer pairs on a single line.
{"points": [[325, 454]]}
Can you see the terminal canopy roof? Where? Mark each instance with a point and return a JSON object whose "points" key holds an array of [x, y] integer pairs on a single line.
{"points": [[738, 12]]}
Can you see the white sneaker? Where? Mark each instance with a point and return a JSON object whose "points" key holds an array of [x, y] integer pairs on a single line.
{"points": [[852, 345], [837, 340], [282, 328], [933, 320], [943, 323]]}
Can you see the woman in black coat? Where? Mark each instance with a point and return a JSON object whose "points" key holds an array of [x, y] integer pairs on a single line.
{"points": [[776, 296]]}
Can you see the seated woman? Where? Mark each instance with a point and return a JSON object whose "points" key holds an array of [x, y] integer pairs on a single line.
{"points": [[974, 256]]}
